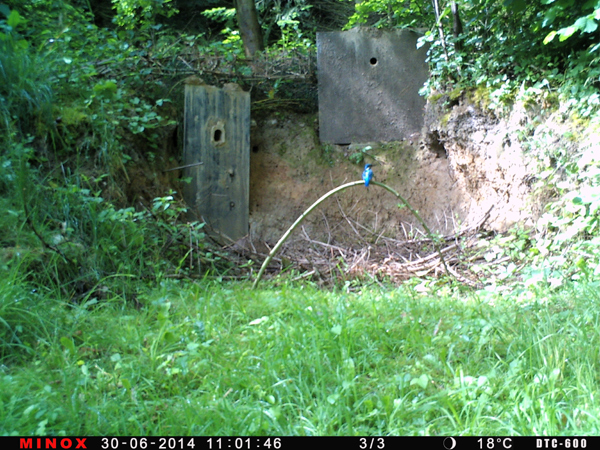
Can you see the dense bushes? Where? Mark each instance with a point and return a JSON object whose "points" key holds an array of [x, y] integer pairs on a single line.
{"points": [[77, 105]]}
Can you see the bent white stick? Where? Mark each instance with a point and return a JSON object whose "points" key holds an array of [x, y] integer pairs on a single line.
{"points": [[325, 197]]}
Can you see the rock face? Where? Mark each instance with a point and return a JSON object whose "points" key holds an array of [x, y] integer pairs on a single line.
{"points": [[485, 160]]}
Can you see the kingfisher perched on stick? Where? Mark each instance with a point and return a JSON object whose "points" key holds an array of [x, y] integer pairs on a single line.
{"points": [[367, 174]]}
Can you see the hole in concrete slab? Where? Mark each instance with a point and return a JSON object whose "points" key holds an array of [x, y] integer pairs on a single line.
{"points": [[373, 61]]}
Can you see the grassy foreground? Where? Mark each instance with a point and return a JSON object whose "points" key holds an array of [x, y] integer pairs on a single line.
{"points": [[210, 359]]}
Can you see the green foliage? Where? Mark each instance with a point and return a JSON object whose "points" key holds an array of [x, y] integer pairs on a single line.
{"points": [[23, 319], [26, 79], [292, 20], [570, 229], [142, 14], [74, 100], [297, 360], [146, 243], [562, 11], [221, 14], [285, 25], [392, 14], [563, 246], [82, 239]]}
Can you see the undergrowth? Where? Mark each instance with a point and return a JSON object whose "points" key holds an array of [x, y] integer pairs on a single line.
{"points": [[78, 105]]}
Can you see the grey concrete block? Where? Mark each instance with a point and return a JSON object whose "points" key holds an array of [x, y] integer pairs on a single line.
{"points": [[369, 81], [217, 135]]}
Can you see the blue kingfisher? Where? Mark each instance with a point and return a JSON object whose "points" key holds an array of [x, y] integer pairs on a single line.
{"points": [[367, 174]]}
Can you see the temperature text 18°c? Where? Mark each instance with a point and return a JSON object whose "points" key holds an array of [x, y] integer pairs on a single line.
{"points": [[491, 443]]}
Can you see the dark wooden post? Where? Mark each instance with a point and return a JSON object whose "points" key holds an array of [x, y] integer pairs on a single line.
{"points": [[217, 134]]}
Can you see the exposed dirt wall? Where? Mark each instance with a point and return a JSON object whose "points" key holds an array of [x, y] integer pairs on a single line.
{"points": [[486, 161], [463, 164]]}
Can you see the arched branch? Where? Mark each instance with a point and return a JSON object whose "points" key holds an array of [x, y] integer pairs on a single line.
{"points": [[325, 197]]}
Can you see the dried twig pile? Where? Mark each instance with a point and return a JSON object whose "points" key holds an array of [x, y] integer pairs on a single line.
{"points": [[376, 256], [388, 258]]}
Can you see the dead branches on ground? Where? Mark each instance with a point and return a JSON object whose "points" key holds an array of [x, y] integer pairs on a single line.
{"points": [[379, 257]]}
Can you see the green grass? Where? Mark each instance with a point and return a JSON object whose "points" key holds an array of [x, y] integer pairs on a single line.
{"points": [[209, 359]]}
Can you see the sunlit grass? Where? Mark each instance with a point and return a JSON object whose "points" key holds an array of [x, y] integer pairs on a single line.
{"points": [[295, 360]]}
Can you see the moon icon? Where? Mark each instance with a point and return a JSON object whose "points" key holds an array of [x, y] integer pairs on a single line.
{"points": [[449, 443]]}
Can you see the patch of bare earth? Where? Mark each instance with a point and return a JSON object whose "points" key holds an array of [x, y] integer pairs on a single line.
{"points": [[465, 174]]}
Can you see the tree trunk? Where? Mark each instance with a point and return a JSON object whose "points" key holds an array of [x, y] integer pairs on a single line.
{"points": [[457, 27], [249, 27]]}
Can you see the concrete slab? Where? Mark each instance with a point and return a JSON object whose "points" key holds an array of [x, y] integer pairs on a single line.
{"points": [[369, 81], [217, 151]]}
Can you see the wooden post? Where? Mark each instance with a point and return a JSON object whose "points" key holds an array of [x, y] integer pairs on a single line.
{"points": [[217, 134]]}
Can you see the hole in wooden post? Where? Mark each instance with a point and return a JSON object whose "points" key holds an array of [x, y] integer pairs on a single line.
{"points": [[218, 135], [373, 61]]}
